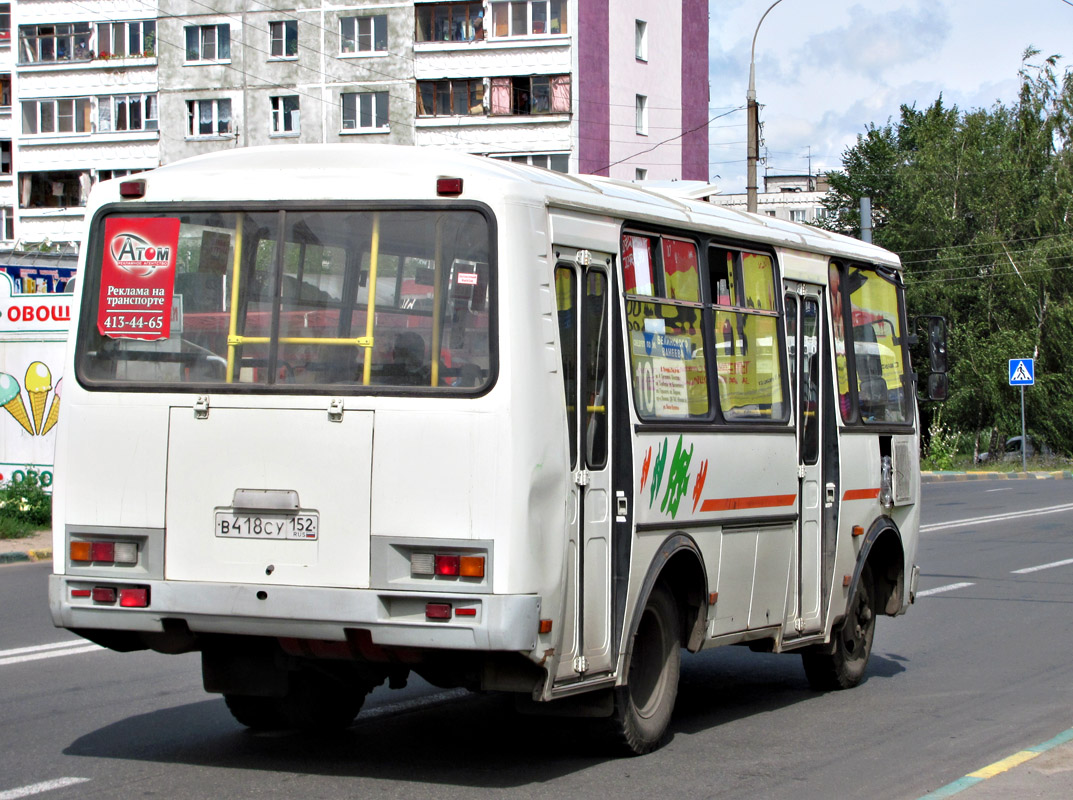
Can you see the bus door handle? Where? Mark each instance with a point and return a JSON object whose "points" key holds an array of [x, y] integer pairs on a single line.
{"points": [[830, 495]]}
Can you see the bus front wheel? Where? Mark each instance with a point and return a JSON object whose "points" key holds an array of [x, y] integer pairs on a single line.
{"points": [[842, 665], [643, 706]]}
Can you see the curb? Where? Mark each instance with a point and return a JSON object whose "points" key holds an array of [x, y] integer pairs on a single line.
{"points": [[25, 555], [941, 477]]}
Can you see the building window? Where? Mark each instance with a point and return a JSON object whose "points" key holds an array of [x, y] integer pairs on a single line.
{"points": [[53, 189], [284, 37], [640, 174], [641, 44], [5, 89], [450, 98], [536, 94], [449, 22], [365, 111], [205, 118], [127, 112], [5, 24], [285, 115], [529, 18], [798, 215], [120, 39], [109, 174], [5, 157], [7, 217], [70, 115], [556, 162], [42, 44], [208, 43], [641, 124], [363, 34]]}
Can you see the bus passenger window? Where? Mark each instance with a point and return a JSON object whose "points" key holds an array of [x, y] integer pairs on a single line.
{"points": [[638, 269], [878, 347], [680, 270], [748, 354], [721, 267]]}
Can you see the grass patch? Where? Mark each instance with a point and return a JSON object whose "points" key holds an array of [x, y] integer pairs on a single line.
{"points": [[24, 507]]}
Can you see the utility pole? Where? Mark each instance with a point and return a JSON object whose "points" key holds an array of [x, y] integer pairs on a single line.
{"points": [[753, 146]]}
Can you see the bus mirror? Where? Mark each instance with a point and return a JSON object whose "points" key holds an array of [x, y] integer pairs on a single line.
{"points": [[936, 339], [938, 386]]}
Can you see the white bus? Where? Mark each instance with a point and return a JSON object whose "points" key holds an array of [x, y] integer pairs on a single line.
{"points": [[337, 414]]}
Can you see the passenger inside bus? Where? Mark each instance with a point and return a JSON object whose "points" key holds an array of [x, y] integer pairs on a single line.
{"points": [[410, 367]]}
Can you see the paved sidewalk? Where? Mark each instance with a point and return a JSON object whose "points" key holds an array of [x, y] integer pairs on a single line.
{"points": [[983, 475], [32, 548], [1042, 771]]}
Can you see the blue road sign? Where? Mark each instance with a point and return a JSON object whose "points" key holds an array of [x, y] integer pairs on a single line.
{"points": [[1022, 372]]}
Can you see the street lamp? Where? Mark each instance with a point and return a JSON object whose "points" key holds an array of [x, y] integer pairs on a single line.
{"points": [[753, 148]]}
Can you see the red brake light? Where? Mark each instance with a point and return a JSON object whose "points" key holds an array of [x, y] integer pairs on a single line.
{"points": [[438, 611], [447, 565], [451, 187], [134, 597], [132, 189], [103, 594], [102, 551]]}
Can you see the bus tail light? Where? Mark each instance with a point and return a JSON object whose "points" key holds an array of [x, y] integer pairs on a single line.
{"points": [[104, 594], [104, 552], [449, 187], [134, 597], [447, 565], [438, 611]]}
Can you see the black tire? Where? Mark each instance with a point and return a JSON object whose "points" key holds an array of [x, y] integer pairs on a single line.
{"points": [[643, 706], [843, 664], [256, 713], [321, 703]]}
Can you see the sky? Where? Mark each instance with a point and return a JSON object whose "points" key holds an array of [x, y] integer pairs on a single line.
{"points": [[826, 69]]}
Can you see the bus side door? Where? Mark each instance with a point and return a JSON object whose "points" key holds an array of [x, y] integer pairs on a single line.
{"points": [[804, 309], [583, 300]]}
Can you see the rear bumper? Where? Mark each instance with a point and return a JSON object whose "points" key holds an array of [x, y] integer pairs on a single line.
{"points": [[393, 619]]}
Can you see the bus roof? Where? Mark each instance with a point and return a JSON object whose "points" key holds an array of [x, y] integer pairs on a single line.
{"points": [[397, 172]]}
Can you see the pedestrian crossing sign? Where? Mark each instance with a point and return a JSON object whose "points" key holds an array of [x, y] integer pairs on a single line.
{"points": [[1022, 372]]}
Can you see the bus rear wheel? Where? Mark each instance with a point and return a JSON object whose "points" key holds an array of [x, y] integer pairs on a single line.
{"points": [[643, 706], [842, 665]]}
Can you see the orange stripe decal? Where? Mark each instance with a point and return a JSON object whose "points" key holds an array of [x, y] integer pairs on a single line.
{"points": [[742, 503], [861, 494]]}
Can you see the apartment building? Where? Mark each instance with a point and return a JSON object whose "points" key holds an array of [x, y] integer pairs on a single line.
{"points": [[104, 88], [564, 84], [792, 197], [84, 103]]}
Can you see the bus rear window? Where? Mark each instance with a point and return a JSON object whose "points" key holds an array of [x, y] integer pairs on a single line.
{"points": [[283, 299]]}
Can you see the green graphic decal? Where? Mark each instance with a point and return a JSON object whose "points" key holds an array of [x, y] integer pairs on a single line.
{"points": [[657, 473], [678, 480]]}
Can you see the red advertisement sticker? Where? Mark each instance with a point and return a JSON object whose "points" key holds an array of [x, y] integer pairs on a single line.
{"points": [[137, 278]]}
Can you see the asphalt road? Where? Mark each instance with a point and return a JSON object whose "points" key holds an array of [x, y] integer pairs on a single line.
{"points": [[979, 669]]}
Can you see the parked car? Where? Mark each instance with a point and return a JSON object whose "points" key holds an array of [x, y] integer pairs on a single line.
{"points": [[1012, 451]]}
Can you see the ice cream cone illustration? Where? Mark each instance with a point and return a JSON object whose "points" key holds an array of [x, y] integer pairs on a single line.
{"points": [[53, 410], [38, 384], [11, 399]]}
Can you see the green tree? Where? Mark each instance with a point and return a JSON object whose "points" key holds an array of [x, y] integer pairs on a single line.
{"points": [[978, 204]]}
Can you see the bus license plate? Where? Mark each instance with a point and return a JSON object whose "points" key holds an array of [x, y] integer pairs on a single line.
{"points": [[305, 525]]}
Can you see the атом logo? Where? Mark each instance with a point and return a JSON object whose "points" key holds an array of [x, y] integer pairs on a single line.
{"points": [[139, 256]]}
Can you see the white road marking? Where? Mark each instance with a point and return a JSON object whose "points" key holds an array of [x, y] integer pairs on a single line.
{"points": [[1006, 489], [1041, 567], [1013, 515], [38, 788], [20, 655], [940, 589]]}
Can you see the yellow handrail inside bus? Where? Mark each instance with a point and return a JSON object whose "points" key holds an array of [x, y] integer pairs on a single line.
{"points": [[370, 311], [436, 294], [236, 268]]}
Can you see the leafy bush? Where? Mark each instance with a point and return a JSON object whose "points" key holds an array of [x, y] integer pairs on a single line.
{"points": [[941, 446], [24, 506]]}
